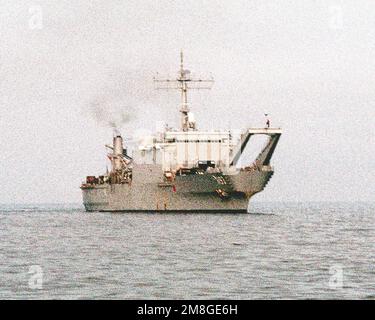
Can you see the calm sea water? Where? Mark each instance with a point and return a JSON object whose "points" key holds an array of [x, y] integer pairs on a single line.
{"points": [[280, 250]]}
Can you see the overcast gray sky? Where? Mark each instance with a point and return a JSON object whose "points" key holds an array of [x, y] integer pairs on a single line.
{"points": [[310, 64]]}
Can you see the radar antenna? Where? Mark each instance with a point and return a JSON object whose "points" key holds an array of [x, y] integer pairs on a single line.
{"points": [[184, 82]]}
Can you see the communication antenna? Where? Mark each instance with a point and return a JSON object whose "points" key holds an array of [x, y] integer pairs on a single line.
{"points": [[184, 82]]}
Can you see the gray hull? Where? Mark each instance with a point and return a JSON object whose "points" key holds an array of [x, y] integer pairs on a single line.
{"points": [[207, 191], [194, 193]]}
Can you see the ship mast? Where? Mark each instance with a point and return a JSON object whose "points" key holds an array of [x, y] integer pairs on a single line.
{"points": [[184, 104], [183, 83]]}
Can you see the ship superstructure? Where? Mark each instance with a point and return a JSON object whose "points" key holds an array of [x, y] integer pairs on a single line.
{"points": [[182, 170]]}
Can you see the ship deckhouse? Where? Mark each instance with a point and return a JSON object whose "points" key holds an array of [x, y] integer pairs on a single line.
{"points": [[196, 149]]}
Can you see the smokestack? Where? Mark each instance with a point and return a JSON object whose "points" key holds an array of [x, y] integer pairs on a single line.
{"points": [[118, 150]]}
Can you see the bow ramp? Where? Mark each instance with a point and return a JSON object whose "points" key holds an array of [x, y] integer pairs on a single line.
{"points": [[264, 157]]}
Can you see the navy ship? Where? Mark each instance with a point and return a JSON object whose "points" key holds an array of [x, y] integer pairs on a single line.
{"points": [[184, 170]]}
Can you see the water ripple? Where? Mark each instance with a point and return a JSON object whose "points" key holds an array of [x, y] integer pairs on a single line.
{"points": [[280, 251]]}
